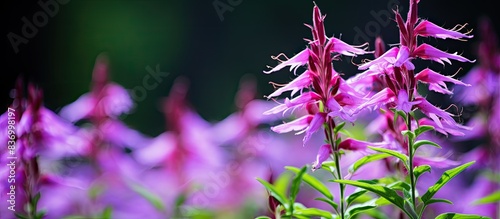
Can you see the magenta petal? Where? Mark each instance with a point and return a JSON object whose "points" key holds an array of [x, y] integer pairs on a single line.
{"points": [[323, 154], [156, 150], [391, 53], [79, 109], [294, 62], [315, 124], [299, 83], [445, 128], [343, 48], [117, 100], [382, 97], [426, 29], [403, 103], [121, 135], [346, 112], [299, 124], [403, 58], [295, 102], [426, 51], [358, 145], [435, 113], [437, 81], [435, 162]]}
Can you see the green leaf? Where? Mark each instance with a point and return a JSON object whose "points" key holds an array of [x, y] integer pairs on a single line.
{"points": [[273, 192], [296, 184], [328, 201], [313, 182], [439, 200], [365, 160], [401, 156], [358, 208], [411, 135], [385, 192], [346, 132], [311, 212], [404, 187], [400, 113], [459, 216], [40, 214], [151, 197], [282, 183], [382, 201], [491, 176], [418, 171], [352, 197], [492, 198], [263, 217], [338, 127], [107, 213], [36, 199], [424, 142], [20, 216], [376, 214], [328, 166], [180, 200], [422, 129], [445, 178]]}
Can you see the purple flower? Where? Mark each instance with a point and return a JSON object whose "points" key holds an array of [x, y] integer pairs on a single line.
{"points": [[106, 99], [323, 154], [437, 81], [327, 96], [428, 29], [397, 71], [102, 106]]}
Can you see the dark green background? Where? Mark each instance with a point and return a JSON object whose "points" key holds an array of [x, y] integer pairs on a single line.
{"points": [[187, 38]]}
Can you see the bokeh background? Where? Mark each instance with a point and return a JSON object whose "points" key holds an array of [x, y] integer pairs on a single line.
{"points": [[189, 38]]}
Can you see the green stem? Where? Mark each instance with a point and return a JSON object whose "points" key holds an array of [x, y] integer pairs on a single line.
{"points": [[410, 165], [332, 139], [342, 186]]}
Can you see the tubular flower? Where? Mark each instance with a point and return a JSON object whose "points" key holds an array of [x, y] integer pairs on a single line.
{"points": [[396, 70], [323, 92]]}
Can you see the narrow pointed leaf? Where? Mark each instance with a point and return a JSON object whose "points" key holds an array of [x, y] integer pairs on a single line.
{"points": [[311, 212], [439, 200], [411, 135], [107, 213], [294, 190], [365, 160], [387, 193], [358, 208], [148, 195], [273, 192], [399, 155], [338, 127], [445, 178], [352, 197], [328, 201], [418, 171], [313, 182], [282, 183], [492, 198], [425, 142], [422, 129], [400, 185], [400, 113], [459, 216]]}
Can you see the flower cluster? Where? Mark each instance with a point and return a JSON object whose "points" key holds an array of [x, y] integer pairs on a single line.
{"points": [[323, 92], [395, 67]]}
